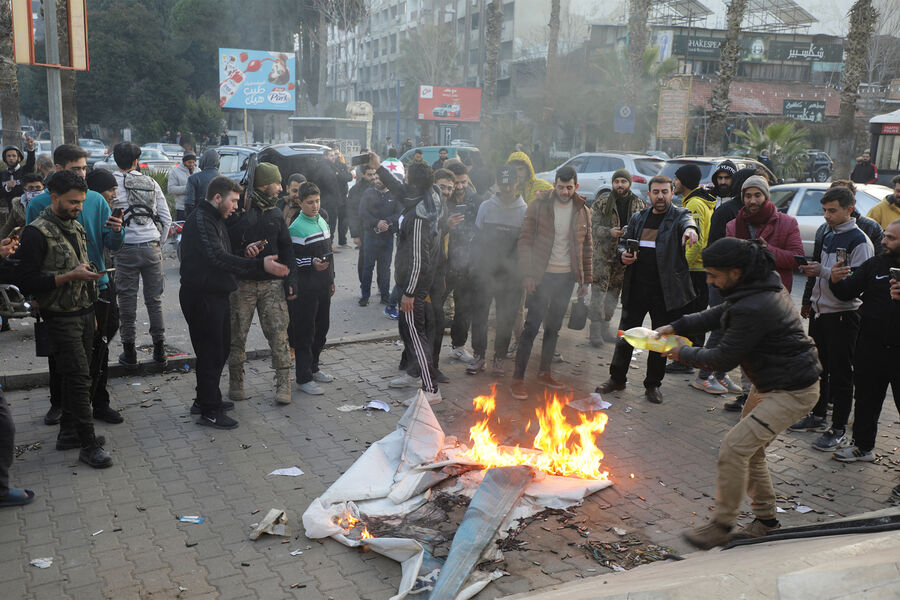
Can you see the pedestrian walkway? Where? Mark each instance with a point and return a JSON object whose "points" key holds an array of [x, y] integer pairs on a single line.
{"points": [[114, 534]]}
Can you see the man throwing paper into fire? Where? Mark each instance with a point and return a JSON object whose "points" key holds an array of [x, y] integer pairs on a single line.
{"points": [[762, 333]]}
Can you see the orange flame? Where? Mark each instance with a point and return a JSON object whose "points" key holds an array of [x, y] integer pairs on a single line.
{"points": [[348, 522], [559, 448]]}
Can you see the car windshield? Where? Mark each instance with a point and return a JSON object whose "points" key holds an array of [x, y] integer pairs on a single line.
{"points": [[151, 154], [91, 143], [648, 166], [172, 149], [669, 169]]}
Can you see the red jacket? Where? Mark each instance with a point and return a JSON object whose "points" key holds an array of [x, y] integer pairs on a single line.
{"points": [[782, 235]]}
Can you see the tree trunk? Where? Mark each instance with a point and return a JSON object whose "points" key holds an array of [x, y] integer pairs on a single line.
{"points": [[728, 63], [492, 64], [550, 73], [66, 77], [638, 36], [9, 82], [862, 20]]}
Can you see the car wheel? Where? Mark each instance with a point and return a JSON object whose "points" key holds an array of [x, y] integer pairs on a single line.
{"points": [[822, 175]]}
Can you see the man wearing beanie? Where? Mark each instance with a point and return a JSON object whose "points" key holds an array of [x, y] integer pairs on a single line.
{"points": [[722, 180], [610, 214], [701, 204], [178, 181], [261, 232]]}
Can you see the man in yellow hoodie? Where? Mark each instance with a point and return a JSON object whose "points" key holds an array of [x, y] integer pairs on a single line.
{"points": [[701, 204], [528, 184], [888, 210]]}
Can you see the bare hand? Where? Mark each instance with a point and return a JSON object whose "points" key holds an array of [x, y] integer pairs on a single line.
{"points": [[332, 289], [252, 250], [8, 247], [689, 238], [839, 271], [665, 330], [763, 242], [673, 353], [374, 160], [407, 304], [273, 267], [291, 294], [812, 269], [628, 258], [805, 310], [528, 282], [29, 143], [356, 241], [582, 290], [895, 290], [319, 264], [114, 223], [455, 219], [382, 226], [617, 232], [82, 273]]}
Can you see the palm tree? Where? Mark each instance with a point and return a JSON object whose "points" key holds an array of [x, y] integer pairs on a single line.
{"points": [[728, 62], [638, 34], [550, 72], [862, 21], [9, 82], [786, 144], [492, 52]]}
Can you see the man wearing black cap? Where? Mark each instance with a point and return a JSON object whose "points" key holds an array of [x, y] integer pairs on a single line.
{"points": [[498, 224], [178, 181]]}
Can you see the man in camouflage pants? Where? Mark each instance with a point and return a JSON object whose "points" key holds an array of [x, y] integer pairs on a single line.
{"points": [[261, 231], [610, 214]]}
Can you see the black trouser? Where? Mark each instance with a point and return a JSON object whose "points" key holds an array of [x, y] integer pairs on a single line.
{"points": [[434, 331], [7, 444], [698, 304], [505, 290], [208, 317], [312, 313], [71, 345], [874, 367], [462, 286], [547, 305], [641, 301], [715, 299], [377, 249], [414, 330], [835, 337], [343, 223]]}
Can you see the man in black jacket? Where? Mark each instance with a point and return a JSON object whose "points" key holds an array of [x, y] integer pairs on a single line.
{"points": [[657, 280], [877, 355], [379, 212], [199, 181], [11, 178], [263, 228], [208, 270], [762, 333]]}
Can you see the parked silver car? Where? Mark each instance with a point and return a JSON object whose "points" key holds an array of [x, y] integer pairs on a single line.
{"points": [[595, 170], [173, 151], [96, 150], [802, 201], [151, 160]]}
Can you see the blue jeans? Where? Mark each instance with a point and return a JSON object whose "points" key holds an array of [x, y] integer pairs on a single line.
{"points": [[547, 304], [377, 249]]}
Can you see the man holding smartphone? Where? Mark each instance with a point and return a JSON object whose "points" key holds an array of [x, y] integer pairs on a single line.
{"points": [[877, 354]]}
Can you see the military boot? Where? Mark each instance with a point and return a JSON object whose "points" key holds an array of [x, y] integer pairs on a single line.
{"points": [[236, 383], [283, 386], [160, 356], [128, 358], [596, 334]]}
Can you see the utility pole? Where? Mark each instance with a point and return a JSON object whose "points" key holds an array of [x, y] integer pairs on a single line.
{"points": [[54, 85]]}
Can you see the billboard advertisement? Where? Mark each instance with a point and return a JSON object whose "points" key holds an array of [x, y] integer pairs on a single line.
{"points": [[438, 103], [257, 79], [811, 111]]}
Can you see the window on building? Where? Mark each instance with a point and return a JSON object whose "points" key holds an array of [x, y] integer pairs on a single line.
{"points": [[475, 19], [393, 43], [506, 50]]}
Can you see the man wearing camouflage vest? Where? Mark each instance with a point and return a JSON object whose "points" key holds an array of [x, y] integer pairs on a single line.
{"points": [[609, 216], [53, 265]]}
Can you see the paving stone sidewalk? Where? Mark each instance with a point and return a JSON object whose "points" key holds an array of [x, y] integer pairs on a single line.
{"points": [[165, 465]]}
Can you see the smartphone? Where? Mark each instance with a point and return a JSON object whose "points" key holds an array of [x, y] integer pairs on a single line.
{"points": [[632, 246], [327, 257], [14, 234], [460, 209], [840, 255], [895, 273], [359, 159], [109, 270], [801, 260], [261, 244]]}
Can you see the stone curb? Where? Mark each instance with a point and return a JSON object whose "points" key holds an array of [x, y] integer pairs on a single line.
{"points": [[20, 380]]}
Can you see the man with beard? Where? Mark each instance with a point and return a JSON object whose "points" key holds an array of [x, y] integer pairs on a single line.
{"points": [[877, 351], [610, 214], [291, 207], [54, 267], [32, 186], [656, 281], [379, 212], [11, 177], [332, 181], [864, 171], [888, 210], [555, 253], [721, 188]]}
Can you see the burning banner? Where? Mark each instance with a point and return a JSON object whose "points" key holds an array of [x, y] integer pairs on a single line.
{"points": [[398, 474]]}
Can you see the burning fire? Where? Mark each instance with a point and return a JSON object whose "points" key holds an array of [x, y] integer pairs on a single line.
{"points": [[559, 448], [348, 522]]}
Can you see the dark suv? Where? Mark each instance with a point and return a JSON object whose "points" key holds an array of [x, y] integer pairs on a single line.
{"points": [[818, 166]]}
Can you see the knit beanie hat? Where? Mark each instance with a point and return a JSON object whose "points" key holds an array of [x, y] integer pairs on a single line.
{"points": [[100, 180], [727, 166], [265, 174], [759, 182], [188, 156], [689, 176], [622, 173]]}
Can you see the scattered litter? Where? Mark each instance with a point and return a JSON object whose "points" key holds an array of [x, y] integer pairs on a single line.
{"points": [[628, 409], [371, 405], [296, 552], [20, 450], [191, 519], [274, 523], [619, 531], [288, 471], [181, 588], [803, 509], [591, 402], [42, 563], [779, 509], [97, 533], [255, 511]]}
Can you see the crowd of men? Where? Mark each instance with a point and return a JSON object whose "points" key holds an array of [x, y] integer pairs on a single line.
{"points": [[697, 260]]}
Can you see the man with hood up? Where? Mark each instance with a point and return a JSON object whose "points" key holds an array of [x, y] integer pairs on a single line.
{"points": [[609, 217], [198, 182], [528, 184], [722, 179], [11, 177]]}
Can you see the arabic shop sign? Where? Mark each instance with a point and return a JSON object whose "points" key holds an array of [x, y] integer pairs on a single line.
{"points": [[811, 111], [805, 52], [758, 48]]}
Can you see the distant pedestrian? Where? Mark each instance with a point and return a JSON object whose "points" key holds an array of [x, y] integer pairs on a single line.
{"points": [[864, 171], [888, 210], [379, 213], [765, 159], [178, 183], [197, 182], [442, 158]]}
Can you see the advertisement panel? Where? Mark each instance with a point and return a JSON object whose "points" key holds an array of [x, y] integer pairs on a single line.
{"points": [[256, 79], [758, 48], [674, 108], [438, 103], [811, 111]]}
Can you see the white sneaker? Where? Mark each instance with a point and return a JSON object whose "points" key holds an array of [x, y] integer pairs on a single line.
{"points": [[432, 397], [459, 353], [321, 377], [405, 381], [311, 387]]}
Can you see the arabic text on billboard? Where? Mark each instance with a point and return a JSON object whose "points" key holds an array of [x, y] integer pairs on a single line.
{"points": [[811, 111], [438, 103], [256, 79]]}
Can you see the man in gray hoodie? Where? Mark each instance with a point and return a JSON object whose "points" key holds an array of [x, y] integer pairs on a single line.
{"points": [[198, 182]]}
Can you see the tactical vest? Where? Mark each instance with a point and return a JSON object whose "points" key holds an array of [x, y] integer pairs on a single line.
{"points": [[60, 258]]}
